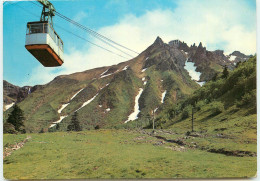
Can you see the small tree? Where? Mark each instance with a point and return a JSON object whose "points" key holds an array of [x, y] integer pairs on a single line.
{"points": [[214, 78], [74, 125], [42, 131], [16, 118], [238, 63], [58, 126], [225, 72]]}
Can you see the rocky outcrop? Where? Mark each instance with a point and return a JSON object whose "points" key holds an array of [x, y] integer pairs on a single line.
{"points": [[15, 94], [209, 63], [237, 56]]}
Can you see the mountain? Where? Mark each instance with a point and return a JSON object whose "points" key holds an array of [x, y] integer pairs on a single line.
{"points": [[226, 104], [110, 96], [209, 62], [15, 94]]}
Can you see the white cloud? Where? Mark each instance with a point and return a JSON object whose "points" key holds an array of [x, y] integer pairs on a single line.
{"points": [[226, 25], [79, 16]]}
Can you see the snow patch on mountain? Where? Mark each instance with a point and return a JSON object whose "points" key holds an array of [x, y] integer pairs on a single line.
{"points": [[8, 106], [76, 94], [125, 68], [63, 107], [145, 82], [105, 75], [56, 122], [104, 72], [87, 102], [201, 83], [163, 96], [232, 58], [144, 70], [191, 68], [133, 116]]}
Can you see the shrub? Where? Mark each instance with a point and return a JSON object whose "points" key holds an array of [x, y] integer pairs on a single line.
{"points": [[200, 104], [42, 131], [216, 107], [9, 128], [186, 112], [247, 98]]}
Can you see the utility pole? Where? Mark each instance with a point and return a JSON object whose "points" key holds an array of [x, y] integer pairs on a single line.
{"points": [[153, 119], [192, 119]]}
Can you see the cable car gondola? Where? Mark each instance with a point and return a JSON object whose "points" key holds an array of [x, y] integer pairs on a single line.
{"points": [[41, 39]]}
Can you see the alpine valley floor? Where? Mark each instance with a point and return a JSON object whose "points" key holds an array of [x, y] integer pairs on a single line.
{"points": [[126, 153]]}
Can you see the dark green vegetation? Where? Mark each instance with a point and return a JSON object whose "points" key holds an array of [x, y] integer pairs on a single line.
{"points": [[14, 123], [74, 125], [224, 112], [119, 154], [232, 93]]}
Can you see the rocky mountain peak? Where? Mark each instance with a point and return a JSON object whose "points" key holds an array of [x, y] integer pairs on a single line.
{"points": [[239, 54], [200, 45], [13, 93], [158, 41]]}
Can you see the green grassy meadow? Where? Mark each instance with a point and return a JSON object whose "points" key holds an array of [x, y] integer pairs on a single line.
{"points": [[118, 154]]}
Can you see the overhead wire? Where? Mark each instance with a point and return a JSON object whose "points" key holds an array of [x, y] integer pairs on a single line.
{"points": [[73, 33], [89, 41], [93, 33], [109, 44]]}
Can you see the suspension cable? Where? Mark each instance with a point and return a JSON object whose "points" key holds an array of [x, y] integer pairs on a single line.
{"points": [[71, 32], [93, 33]]}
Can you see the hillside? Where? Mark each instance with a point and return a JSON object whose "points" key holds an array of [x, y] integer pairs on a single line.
{"points": [[220, 96], [13, 94], [132, 90], [223, 108]]}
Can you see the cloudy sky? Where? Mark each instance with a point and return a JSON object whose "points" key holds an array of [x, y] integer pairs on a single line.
{"points": [[219, 24]]}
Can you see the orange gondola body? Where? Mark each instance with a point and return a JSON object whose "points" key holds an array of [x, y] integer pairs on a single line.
{"points": [[44, 43]]}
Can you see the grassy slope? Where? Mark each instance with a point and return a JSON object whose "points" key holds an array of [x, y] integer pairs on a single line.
{"points": [[41, 106], [116, 154], [116, 96], [233, 128]]}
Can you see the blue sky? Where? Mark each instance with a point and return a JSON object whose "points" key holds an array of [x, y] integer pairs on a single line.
{"points": [[219, 24]]}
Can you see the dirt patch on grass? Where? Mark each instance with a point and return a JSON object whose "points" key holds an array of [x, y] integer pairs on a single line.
{"points": [[184, 145], [237, 153], [177, 148], [10, 148]]}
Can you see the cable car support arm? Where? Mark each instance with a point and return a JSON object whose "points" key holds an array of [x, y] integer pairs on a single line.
{"points": [[48, 11]]}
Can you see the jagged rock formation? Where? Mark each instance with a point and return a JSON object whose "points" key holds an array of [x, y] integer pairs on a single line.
{"points": [[209, 62]]}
